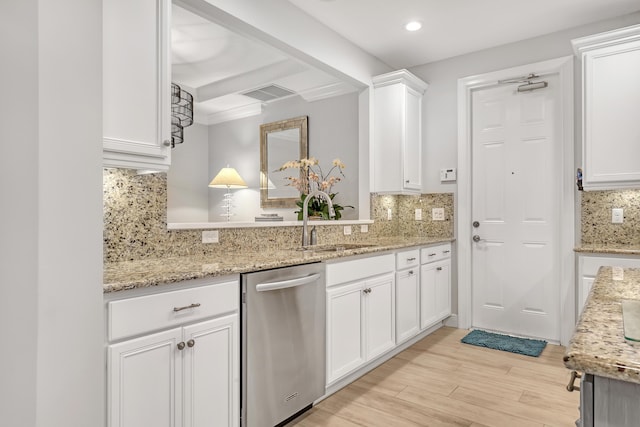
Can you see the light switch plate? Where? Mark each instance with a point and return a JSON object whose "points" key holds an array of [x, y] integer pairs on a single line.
{"points": [[389, 215], [364, 228], [418, 214], [210, 236], [448, 175], [617, 216], [437, 214], [347, 230]]}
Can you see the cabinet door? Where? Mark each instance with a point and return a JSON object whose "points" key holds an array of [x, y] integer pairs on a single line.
{"points": [[212, 373], [412, 147], [443, 289], [586, 282], [407, 304], [136, 83], [144, 381], [380, 332], [611, 111], [435, 292], [345, 350]]}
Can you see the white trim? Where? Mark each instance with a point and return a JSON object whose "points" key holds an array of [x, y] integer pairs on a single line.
{"points": [[566, 292], [609, 38], [326, 91]]}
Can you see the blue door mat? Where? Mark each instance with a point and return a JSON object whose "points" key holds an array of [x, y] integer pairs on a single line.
{"points": [[526, 346]]}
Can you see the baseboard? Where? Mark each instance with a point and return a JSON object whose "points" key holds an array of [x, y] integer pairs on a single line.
{"points": [[451, 321]]}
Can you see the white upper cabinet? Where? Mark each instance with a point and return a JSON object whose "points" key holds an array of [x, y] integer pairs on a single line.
{"points": [[136, 84], [396, 154], [610, 108]]}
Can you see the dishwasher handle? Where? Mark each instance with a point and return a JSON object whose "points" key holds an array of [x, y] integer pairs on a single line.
{"points": [[272, 286]]}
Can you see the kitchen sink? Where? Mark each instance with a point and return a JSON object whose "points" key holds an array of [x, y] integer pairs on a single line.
{"points": [[337, 247]]}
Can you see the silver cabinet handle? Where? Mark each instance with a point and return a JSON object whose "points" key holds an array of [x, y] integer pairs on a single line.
{"points": [[411, 259], [191, 343], [476, 238], [433, 254], [272, 286], [186, 307], [445, 252], [180, 346]]}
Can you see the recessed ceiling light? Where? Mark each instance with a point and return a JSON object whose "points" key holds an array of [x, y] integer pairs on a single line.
{"points": [[413, 26]]}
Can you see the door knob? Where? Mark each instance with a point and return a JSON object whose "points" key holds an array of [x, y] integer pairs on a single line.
{"points": [[476, 238]]}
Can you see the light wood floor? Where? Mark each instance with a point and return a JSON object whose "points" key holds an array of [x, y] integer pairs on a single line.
{"points": [[441, 382]]}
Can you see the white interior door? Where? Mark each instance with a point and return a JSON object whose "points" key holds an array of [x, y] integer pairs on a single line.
{"points": [[516, 185]]}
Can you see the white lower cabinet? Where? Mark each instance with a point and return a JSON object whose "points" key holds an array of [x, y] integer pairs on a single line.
{"points": [[187, 375], [360, 313], [407, 295], [435, 285]]}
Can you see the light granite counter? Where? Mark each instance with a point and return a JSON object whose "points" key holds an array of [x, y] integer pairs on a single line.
{"points": [[123, 275], [608, 248], [598, 346]]}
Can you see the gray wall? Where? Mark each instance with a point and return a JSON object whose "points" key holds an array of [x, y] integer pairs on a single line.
{"points": [[333, 133], [440, 116], [188, 177], [52, 368]]}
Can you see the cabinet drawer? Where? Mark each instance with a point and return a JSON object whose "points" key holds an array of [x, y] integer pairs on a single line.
{"points": [[406, 259], [435, 253], [138, 315], [348, 271]]}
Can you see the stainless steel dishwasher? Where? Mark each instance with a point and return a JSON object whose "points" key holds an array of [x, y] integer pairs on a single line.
{"points": [[283, 343]]}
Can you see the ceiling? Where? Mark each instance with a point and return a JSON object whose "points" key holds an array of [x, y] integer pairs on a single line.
{"points": [[217, 65], [452, 27]]}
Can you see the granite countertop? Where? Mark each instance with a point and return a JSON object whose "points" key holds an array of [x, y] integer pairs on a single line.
{"points": [[608, 248], [119, 276], [598, 345]]}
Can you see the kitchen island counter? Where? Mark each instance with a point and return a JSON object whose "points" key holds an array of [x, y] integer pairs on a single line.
{"points": [[598, 345], [123, 275]]}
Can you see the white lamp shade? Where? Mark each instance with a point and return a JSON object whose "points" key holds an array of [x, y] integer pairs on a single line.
{"points": [[228, 178]]}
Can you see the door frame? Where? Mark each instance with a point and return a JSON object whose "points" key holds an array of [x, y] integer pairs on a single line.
{"points": [[566, 292]]}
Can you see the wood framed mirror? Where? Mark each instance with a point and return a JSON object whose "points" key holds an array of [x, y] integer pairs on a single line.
{"points": [[281, 142]]}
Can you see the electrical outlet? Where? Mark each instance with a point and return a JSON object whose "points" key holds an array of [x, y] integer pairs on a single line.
{"points": [[364, 228], [347, 230], [389, 215], [617, 216], [210, 236], [418, 215], [437, 214]]}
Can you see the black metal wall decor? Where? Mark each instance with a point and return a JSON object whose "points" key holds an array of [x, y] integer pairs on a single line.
{"points": [[181, 113]]}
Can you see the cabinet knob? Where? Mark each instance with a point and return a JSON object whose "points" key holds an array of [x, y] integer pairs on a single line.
{"points": [[439, 268], [407, 181], [181, 345], [191, 343], [410, 272], [166, 142]]}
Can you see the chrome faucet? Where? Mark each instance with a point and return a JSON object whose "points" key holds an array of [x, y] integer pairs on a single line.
{"points": [[305, 213]]}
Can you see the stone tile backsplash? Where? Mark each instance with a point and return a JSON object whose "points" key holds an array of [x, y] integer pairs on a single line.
{"points": [[135, 217], [596, 217]]}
